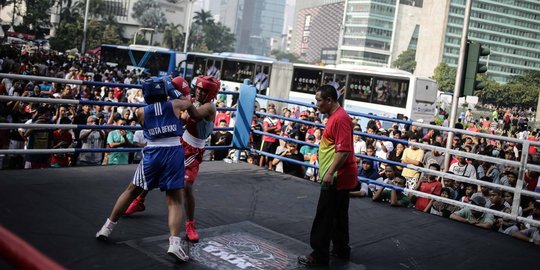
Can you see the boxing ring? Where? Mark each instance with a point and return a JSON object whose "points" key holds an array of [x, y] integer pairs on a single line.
{"points": [[248, 218]]}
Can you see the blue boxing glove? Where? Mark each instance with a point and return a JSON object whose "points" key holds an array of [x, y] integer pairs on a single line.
{"points": [[169, 87]]}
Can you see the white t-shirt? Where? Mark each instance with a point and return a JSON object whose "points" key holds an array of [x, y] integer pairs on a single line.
{"points": [[467, 170], [379, 151], [138, 137], [360, 147], [93, 141]]}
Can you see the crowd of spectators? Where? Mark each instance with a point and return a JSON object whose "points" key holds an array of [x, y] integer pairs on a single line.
{"points": [[511, 122], [400, 176]]}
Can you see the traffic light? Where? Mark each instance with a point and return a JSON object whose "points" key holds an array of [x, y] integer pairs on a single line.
{"points": [[473, 67]]}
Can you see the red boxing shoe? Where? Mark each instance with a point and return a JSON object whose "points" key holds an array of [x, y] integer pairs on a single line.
{"points": [[136, 206], [191, 233]]}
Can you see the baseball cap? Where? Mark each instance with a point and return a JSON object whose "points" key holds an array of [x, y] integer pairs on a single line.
{"points": [[479, 200]]}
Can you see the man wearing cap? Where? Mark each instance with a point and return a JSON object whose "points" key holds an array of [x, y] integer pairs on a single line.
{"points": [[308, 150], [91, 139], [474, 217]]}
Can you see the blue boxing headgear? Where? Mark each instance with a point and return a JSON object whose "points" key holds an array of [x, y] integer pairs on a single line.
{"points": [[154, 89]]}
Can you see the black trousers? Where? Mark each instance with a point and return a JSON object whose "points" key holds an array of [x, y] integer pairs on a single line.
{"points": [[331, 223]]}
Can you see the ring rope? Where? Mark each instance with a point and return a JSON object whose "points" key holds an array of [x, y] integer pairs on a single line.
{"points": [[406, 143], [83, 102], [287, 101], [450, 201], [66, 81], [72, 126], [395, 163], [88, 150]]}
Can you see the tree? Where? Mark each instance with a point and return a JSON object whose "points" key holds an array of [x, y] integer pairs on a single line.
{"points": [[406, 61], [218, 38], [172, 36], [529, 77], [205, 34], [203, 17], [69, 33], [35, 21], [149, 14], [445, 77], [291, 57], [110, 35], [141, 6]]}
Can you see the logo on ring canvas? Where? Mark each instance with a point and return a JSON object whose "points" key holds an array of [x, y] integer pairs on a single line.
{"points": [[239, 251]]}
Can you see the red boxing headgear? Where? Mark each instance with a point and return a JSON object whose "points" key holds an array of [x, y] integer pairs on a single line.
{"points": [[209, 85], [181, 85]]}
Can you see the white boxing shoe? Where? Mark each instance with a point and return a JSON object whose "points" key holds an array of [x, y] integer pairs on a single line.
{"points": [[175, 249], [106, 230]]}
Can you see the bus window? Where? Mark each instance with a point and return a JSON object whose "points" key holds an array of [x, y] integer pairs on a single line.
{"points": [[237, 71], [199, 67], [401, 95], [341, 81], [158, 64], [262, 79], [359, 88], [306, 80], [214, 68], [391, 92], [155, 60]]}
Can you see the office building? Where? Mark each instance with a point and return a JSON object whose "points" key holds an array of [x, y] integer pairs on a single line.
{"points": [[511, 29]]}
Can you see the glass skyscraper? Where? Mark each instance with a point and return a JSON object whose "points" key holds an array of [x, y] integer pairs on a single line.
{"points": [[367, 32], [511, 29], [258, 22]]}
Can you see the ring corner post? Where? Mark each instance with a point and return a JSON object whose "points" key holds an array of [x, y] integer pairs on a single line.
{"points": [[244, 116]]}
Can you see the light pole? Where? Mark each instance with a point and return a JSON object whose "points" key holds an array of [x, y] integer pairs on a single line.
{"points": [[83, 46], [142, 29], [188, 23], [458, 84]]}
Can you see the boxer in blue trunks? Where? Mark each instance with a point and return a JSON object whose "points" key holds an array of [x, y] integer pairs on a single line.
{"points": [[163, 161]]}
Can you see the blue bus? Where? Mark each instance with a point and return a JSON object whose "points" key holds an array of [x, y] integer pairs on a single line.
{"points": [[156, 61]]}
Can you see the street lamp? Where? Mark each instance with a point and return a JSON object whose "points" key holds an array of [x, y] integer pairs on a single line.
{"points": [[142, 29], [188, 23], [83, 46]]}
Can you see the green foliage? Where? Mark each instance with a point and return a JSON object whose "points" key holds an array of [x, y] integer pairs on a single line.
{"points": [[69, 35], [520, 91], [291, 57], [445, 77], [35, 19], [208, 36], [218, 38], [149, 14], [172, 36], [530, 77], [203, 17], [141, 6], [406, 61]]}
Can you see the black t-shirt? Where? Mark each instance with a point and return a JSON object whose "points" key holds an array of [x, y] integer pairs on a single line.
{"points": [[18, 117], [291, 168], [256, 138], [220, 154]]}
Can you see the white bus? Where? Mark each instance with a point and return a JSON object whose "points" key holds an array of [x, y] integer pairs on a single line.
{"points": [[370, 90], [231, 68], [384, 92], [155, 60]]}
